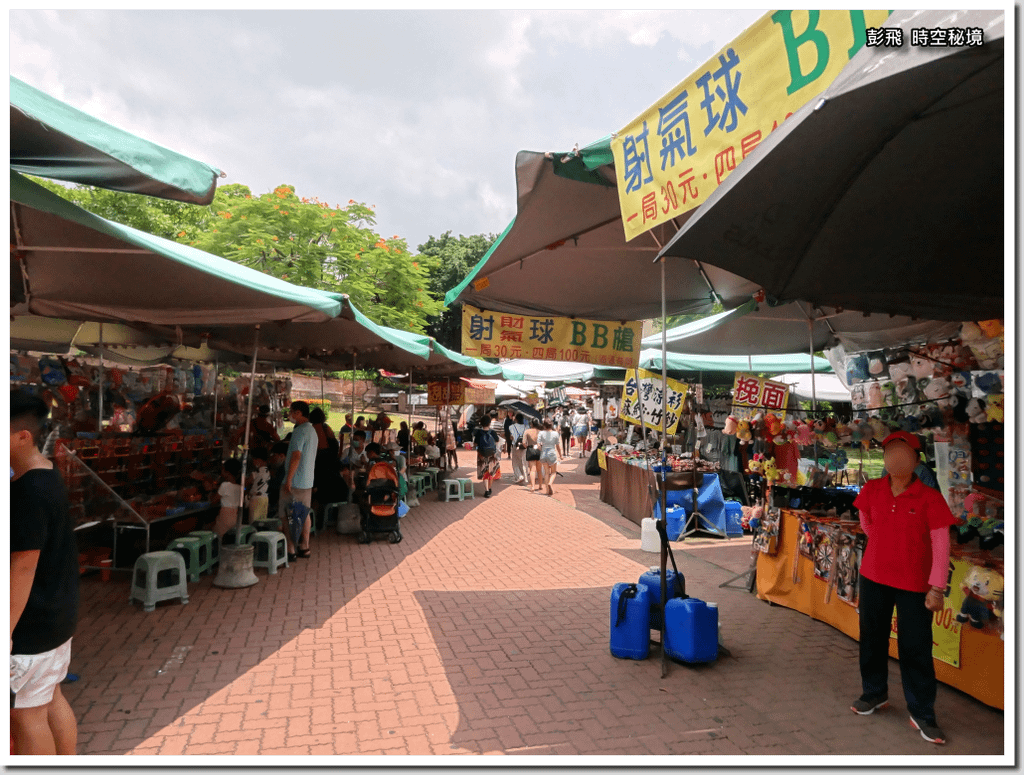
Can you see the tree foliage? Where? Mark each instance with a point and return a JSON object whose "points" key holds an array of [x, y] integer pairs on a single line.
{"points": [[304, 241], [453, 259]]}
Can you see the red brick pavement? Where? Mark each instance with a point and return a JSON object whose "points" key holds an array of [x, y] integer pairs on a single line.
{"points": [[484, 632]]}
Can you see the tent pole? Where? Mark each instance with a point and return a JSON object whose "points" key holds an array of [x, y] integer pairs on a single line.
{"points": [[664, 463], [322, 401], [216, 375], [410, 413], [99, 417], [248, 427], [814, 392], [353, 393]]}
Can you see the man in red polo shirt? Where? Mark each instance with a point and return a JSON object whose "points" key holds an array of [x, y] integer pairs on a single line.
{"points": [[905, 565]]}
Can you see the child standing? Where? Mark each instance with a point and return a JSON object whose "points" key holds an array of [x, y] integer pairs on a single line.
{"points": [[259, 486], [230, 496]]}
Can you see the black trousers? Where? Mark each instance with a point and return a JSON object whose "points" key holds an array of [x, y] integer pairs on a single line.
{"points": [[914, 645]]}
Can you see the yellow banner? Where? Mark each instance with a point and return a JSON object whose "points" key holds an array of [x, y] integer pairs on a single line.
{"points": [[602, 459], [673, 157], [751, 394], [643, 390], [487, 334], [945, 627]]}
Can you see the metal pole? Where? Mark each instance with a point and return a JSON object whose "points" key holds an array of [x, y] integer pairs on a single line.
{"points": [[216, 376], [99, 417], [410, 413], [353, 394], [664, 464], [322, 401], [248, 427], [814, 392]]}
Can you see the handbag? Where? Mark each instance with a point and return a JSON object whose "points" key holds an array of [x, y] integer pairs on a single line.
{"points": [[533, 453]]}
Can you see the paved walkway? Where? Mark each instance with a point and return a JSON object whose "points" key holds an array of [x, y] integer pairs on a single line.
{"points": [[485, 631]]}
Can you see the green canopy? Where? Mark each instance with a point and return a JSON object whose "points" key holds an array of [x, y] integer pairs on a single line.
{"points": [[767, 364], [68, 263], [54, 140]]}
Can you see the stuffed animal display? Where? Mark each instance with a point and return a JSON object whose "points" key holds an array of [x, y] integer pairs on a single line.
{"points": [[983, 596]]}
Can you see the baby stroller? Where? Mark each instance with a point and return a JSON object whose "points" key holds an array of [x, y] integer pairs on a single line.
{"points": [[378, 510]]}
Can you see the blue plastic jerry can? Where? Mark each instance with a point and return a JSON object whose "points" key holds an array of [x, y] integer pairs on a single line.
{"points": [[630, 636], [691, 630], [652, 581]]}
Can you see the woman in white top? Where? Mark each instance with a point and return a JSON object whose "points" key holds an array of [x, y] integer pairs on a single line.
{"points": [[550, 453]]}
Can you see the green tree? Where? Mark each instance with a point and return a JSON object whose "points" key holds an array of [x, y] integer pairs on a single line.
{"points": [[304, 241], [452, 259]]}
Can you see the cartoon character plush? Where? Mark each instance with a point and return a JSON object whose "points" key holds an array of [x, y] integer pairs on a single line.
{"points": [[994, 409], [900, 370], [983, 596], [921, 366], [988, 382], [52, 371], [937, 390], [772, 426], [959, 406], [879, 430], [805, 433], [771, 472], [743, 432], [731, 424], [976, 411], [857, 369], [875, 395], [756, 463], [910, 423], [991, 328], [844, 435], [876, 363]]}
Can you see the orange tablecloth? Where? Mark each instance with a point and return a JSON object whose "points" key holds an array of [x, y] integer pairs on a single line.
{"points": [[981, 653]]}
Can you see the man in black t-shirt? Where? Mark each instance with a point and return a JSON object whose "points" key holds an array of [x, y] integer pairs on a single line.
{"points": [[44, 589]]}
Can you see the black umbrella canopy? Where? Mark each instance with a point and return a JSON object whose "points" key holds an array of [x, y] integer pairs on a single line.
{"points": [[566, 254], [520, 406], [883, 195]]}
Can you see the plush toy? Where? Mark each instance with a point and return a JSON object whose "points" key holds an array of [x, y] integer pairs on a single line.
{"points": [[805, 433], [976, 411], [987, 382], [843, 435], [771, 473], [875, 395], [958, 403], [994, 409], [879, 430], [900, 370], [910, 423], [937, 390], [991, 328], [756, 464], [829, 436], [921, 366], [860, 432], [731, 424], [743, 432], [52, 371], [857, 369], [983, 596], [876, 363], [772, 426]]}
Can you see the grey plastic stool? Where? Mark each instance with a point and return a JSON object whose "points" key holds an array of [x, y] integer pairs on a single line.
{"points": [[191, 550], [452, 490], [467, 488], [158, 576], [269, 550]]}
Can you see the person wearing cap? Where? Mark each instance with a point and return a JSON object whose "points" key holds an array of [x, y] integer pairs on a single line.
{"points": [[906, 565]]}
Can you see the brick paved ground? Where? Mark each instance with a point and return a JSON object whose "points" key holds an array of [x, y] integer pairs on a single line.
{"points": [[484, 632]]}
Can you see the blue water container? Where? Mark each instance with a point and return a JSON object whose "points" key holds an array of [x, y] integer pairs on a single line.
{"points": [[651, 580], [675, 522], [691, 630], [733, 519], [630, 634]]}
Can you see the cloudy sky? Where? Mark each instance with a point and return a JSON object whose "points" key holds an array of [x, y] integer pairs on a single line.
{"points": [[419, 113]]}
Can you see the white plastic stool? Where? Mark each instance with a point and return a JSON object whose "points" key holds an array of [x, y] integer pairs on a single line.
{"points": [[452, 490]]}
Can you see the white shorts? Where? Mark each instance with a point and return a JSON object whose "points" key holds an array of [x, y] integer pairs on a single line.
{"points": [[34, 677]]}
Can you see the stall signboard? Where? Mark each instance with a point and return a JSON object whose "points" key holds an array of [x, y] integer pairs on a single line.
{"points": [[673, 157], [489, 334], [644, 389], [457, 393], [945, 627], [752, 394]]}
